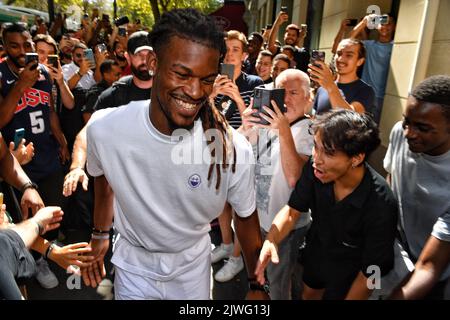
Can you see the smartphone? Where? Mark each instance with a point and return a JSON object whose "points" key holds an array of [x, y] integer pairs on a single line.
{"points": [[31, 56], [283, 8], [263, 97], [105, 17], [269, 26], [122, 32], [89, 55], [384, 19], [101, 47], [52, 60], [317, 55], [18, 136], [304, 27], [228, 70], [352, 22]]}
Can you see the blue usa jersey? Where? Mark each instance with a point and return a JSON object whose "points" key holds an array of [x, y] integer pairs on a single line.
{"points": [[33, 114]]}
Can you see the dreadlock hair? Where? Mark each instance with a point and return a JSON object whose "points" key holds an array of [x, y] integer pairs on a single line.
{"points": [[435, 89], [192, 25]]}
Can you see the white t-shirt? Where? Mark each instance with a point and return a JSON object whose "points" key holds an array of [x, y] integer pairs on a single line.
{"points": [[163, 207], [421, 184], [86, 81], [273, 190]]}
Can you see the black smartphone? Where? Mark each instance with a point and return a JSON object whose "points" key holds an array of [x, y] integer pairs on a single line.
{"points": [[269, 26], [352, 22], [317, 55], [18, 136], [52, 60], [105, 17], [384, 19], [263, 97], [227, 69], [31, 56], [283, 8], [122, 32], [121, 21]]}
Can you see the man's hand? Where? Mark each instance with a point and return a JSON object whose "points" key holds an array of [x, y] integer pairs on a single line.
{"points": [[72, 255], [269, 253], [31, 200], [28, 76], [322, 75], [281, 18], [85, 66], [71, 181], [64, 154], [23, 153], [95, 272], [56, 73], [48, 218], [277, 119]]}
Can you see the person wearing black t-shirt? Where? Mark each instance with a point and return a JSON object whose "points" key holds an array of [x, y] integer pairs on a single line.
{"points": [[348, 92], [353, 210]]}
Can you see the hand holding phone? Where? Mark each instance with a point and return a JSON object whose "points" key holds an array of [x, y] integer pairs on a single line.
{"points": [[89, 55], [228, 70], [122, 32], [316, 55], [52, 60], [263, 97], [18, 136], [31, 56]]}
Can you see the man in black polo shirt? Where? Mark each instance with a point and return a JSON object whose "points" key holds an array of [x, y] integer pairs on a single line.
{"points": [[354, 213]]}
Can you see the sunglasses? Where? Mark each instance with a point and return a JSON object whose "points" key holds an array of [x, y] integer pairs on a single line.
{"points": [[79, 55], [7, 25]]}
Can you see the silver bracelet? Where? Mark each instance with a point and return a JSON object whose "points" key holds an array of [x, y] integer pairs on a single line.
{"points": [[97, 236]]}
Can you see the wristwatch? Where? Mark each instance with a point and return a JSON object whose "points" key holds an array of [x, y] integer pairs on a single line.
{"points": [[27, 185], [254, 285]]}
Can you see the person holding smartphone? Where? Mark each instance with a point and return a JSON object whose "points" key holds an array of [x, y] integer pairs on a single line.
{"points": [[379, 51], [293, 36], [19, 108], [348, 91], [79, 73]]}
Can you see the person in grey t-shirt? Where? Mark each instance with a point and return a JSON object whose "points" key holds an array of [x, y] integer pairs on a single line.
{"points": [[418, 160]]}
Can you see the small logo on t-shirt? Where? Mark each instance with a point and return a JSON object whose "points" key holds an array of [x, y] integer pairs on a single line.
{"points": [[194, 181]]}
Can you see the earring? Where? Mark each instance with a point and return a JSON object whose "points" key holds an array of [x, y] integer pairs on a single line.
{"points": [[353, 166]]}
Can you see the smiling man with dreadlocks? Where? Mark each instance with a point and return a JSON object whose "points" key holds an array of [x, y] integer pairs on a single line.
{"points": [[164, 200]]}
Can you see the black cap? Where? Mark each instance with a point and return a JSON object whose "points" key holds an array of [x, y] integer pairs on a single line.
{"points": [[138, 41]]}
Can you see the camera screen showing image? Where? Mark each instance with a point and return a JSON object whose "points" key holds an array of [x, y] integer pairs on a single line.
{"points": [[384, 19], [227, 70], [122, 32], [263, 97], [31, 56]]}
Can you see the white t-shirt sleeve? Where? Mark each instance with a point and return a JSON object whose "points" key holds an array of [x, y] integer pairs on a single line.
{"points": [[303, 140], [395, 136], [241, 189], [93, 139], [68, 72], [441, 229]]}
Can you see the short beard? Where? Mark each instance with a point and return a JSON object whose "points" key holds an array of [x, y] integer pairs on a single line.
{"points": [[15, 61], [141, 75]]}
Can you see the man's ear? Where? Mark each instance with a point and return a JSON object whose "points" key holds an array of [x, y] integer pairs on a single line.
{"points": [[127, 56], [360, 62], [358, 159]]}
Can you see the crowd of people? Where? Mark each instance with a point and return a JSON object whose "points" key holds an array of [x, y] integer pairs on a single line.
{"points": [[107, 121]]}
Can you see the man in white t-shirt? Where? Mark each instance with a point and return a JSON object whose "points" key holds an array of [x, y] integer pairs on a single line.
{"points": [[418, 161], [284, 147], [168, 174]]}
